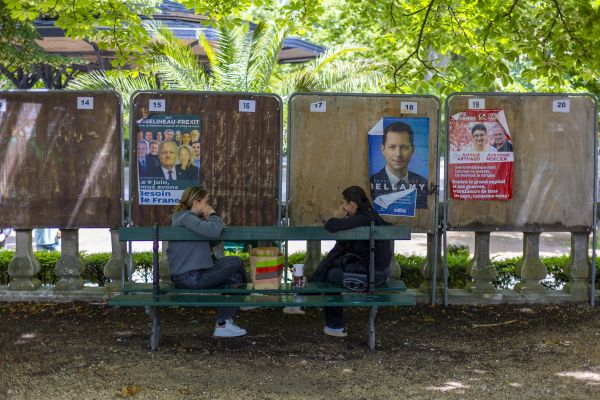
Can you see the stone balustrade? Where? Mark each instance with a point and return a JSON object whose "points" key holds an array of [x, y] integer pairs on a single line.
{"points": [[24, 267]]}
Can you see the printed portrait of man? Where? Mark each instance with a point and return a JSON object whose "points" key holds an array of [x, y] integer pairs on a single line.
{"points": [[167, 155], [398, 148], [501, 140], [147, 165]]}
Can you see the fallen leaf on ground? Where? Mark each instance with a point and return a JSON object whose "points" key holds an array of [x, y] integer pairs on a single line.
{"points": [[130, 390]]}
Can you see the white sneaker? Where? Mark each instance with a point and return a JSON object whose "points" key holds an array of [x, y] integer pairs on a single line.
{"points": [[337, 332], [293, 310], [228, 330]]}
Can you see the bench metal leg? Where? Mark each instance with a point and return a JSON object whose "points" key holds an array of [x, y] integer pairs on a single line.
{"points": [[155, 335], [372, 315]]}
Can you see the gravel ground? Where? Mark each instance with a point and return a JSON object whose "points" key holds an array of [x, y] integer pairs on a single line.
{"points": [[92, 351]]}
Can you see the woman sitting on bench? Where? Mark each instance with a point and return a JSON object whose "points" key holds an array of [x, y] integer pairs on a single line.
{"points": [[192, 264], [356, 210]]}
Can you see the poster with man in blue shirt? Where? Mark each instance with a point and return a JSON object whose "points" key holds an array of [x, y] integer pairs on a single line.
{"points": [[398, 165]]}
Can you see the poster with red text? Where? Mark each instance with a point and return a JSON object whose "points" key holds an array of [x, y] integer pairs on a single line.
{"points": [[481, 156]]}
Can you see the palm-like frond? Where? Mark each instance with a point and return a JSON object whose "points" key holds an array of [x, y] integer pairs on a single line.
{"points": [[122, 83], [174, 61], [267, 41], [334, 71], [232, 55], [358, 75]]}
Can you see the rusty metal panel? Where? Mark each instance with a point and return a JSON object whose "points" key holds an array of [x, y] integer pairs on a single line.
{"points": [[554, 156], [59, 164], [328, 151], [240, 154]]}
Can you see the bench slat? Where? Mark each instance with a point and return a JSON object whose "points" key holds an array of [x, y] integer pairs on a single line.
{"points": [[189, 300], [253, 233], [311, 287]]}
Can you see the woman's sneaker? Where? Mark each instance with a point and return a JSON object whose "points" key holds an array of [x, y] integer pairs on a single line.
{"points": [[228, 329], [293, 310], [337, 332]]}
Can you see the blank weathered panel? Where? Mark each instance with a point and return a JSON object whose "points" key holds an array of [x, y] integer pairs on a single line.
{"points": [[240, 155], [553, 168], [329, 151], [60, 165]]}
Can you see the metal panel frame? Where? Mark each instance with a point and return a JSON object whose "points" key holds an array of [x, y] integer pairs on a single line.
{"points": [[446, 169], [91, 93], [132, 121], [436, 222]]}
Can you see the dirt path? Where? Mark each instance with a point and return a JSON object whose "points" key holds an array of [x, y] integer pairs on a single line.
{"points": [[83, 351]]}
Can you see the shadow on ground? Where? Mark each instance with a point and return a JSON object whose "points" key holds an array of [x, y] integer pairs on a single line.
{"points": [[91, 351]]}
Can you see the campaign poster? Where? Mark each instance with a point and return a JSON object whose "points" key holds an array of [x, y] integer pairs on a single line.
{"points": [[481, 156], [167, 150], [398, 165]]}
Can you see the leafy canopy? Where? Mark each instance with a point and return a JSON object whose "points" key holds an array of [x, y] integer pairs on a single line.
{"points": [[438, 46]]}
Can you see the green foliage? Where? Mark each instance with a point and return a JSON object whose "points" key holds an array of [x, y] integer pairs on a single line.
{"points": [[94, 267], [296, 258], [506, 277], [556, 266], [411, 269], [5, 257], [142, 264], [47, 261], [457, 269], [446, 45], [410, 264], [112, 24]]}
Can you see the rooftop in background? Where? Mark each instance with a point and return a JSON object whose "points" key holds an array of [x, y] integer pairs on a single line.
{"points": [[182, 21]]}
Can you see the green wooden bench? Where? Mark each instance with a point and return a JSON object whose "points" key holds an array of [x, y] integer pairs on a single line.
{"points": [[321, 294]]}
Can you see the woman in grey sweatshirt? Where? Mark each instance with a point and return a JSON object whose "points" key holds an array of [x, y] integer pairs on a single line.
{"points": [[192, 264]]}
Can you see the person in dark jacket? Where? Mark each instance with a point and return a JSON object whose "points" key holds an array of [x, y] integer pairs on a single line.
{"points": [[191, 263], [356, 210]]}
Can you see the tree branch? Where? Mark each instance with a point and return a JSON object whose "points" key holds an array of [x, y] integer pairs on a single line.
{"points": [[571, 35], [549, 34], [417, 47], [451, 10], [510, 10]]}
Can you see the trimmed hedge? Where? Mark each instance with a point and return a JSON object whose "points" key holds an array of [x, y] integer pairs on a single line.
{"points": [[410, 264]]}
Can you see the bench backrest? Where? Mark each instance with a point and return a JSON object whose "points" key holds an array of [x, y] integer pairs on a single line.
{"points": [[252, 233]]}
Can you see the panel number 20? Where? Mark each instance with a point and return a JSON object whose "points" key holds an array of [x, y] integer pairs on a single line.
{"points": [[562, 105]]}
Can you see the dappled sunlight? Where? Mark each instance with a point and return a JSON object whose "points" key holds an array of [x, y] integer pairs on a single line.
{"points": [[449, 386], [100, 161], [22, 131], [591, 378], [25, 338]]}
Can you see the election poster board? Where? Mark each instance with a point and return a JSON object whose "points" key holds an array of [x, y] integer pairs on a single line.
{"points": [[398, 168], [168, 157], [60, 159], [552, 137], [329, 150], [481, 156], [236, 145]]}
